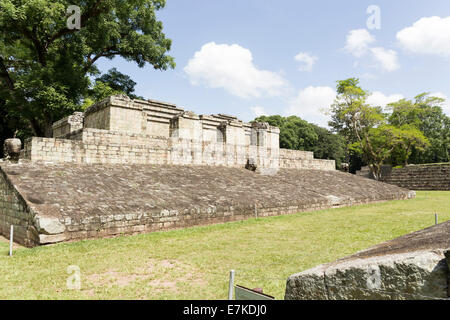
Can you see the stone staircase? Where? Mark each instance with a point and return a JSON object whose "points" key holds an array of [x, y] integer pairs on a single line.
{"points": [[421, 177]]}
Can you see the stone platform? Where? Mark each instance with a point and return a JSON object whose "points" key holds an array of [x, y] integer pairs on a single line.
{"points": [[54, 202], [132, 131]]}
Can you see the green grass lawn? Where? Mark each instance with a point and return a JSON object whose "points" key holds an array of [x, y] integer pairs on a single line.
{"points": [[194, 263]]}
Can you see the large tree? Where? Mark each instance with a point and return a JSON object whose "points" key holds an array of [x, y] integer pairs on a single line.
{"points": [[45, 66], [345, 118], [425, 114], [367, 130]]}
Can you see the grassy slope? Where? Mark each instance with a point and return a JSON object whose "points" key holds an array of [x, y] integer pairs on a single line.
{"points": [[194, 263]]}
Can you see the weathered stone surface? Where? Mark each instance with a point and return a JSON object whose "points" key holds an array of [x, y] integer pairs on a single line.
{"points": [[421, 177], [410, 267], [49, 239], [415, 275], [11, 149], [129, 165], [49, 225], [307, 285], [447, 257], [431, 176], [100, 200]]}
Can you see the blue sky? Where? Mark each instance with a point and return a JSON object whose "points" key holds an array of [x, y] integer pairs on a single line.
{"points": [[239, 57]]}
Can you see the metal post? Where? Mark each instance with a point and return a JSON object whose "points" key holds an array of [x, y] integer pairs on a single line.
{"points": [[11, 239], [231, 285], [435, 218]]}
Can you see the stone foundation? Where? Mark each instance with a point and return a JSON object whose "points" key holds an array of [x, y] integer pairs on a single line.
{"points": [[15, 211], [61, 202], [421, 177]]}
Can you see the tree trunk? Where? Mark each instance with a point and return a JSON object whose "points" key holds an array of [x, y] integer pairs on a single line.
{"points": [[41, 129], [376, 171], [48, 130]]}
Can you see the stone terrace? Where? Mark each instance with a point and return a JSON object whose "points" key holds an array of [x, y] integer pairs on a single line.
{"points": [[50, 203], [421, 177]]}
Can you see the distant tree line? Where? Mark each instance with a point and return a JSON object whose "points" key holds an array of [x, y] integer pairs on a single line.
{"points": [[298, 134], [405, 132]]}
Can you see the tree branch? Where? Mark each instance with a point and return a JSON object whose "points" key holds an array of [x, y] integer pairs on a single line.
{"points": [[37, 45], [106, 53]]}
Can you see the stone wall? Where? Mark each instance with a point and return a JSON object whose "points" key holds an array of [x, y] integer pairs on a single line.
{"points": [[103, 146], [296, 159], [109, 147], [421, 177], [365, 171], [15, 211], [155, 118], [68, 124], [121, 130]]}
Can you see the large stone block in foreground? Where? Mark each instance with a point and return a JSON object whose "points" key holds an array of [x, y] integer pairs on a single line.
{"points": [[49, 203], [415, 266]]}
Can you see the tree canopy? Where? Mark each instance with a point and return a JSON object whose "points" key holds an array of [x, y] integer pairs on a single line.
{"points": [[111, 83], [425, 114], [45, 67], [394, 137]]}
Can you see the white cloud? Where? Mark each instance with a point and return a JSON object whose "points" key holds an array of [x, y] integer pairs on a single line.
{"points": [[359, 45], [311, 104], [387, 58], [307, 59], [258, 111], [379, 99], [358, 42], [446, 105], [429, 35], [231, 67]]}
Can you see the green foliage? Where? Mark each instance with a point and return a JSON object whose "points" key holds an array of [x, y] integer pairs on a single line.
{"points": [[45, 67], [351, 116], [298, 134], [99, 91], [368, 131], [119, 82], [411, 138], [426, 115], [111, 83]]}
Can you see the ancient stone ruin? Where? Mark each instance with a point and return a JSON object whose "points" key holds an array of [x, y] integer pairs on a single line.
{"points": [[412, 267], [126, 166], [430, 176], [11, 149], [121, 130]]}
